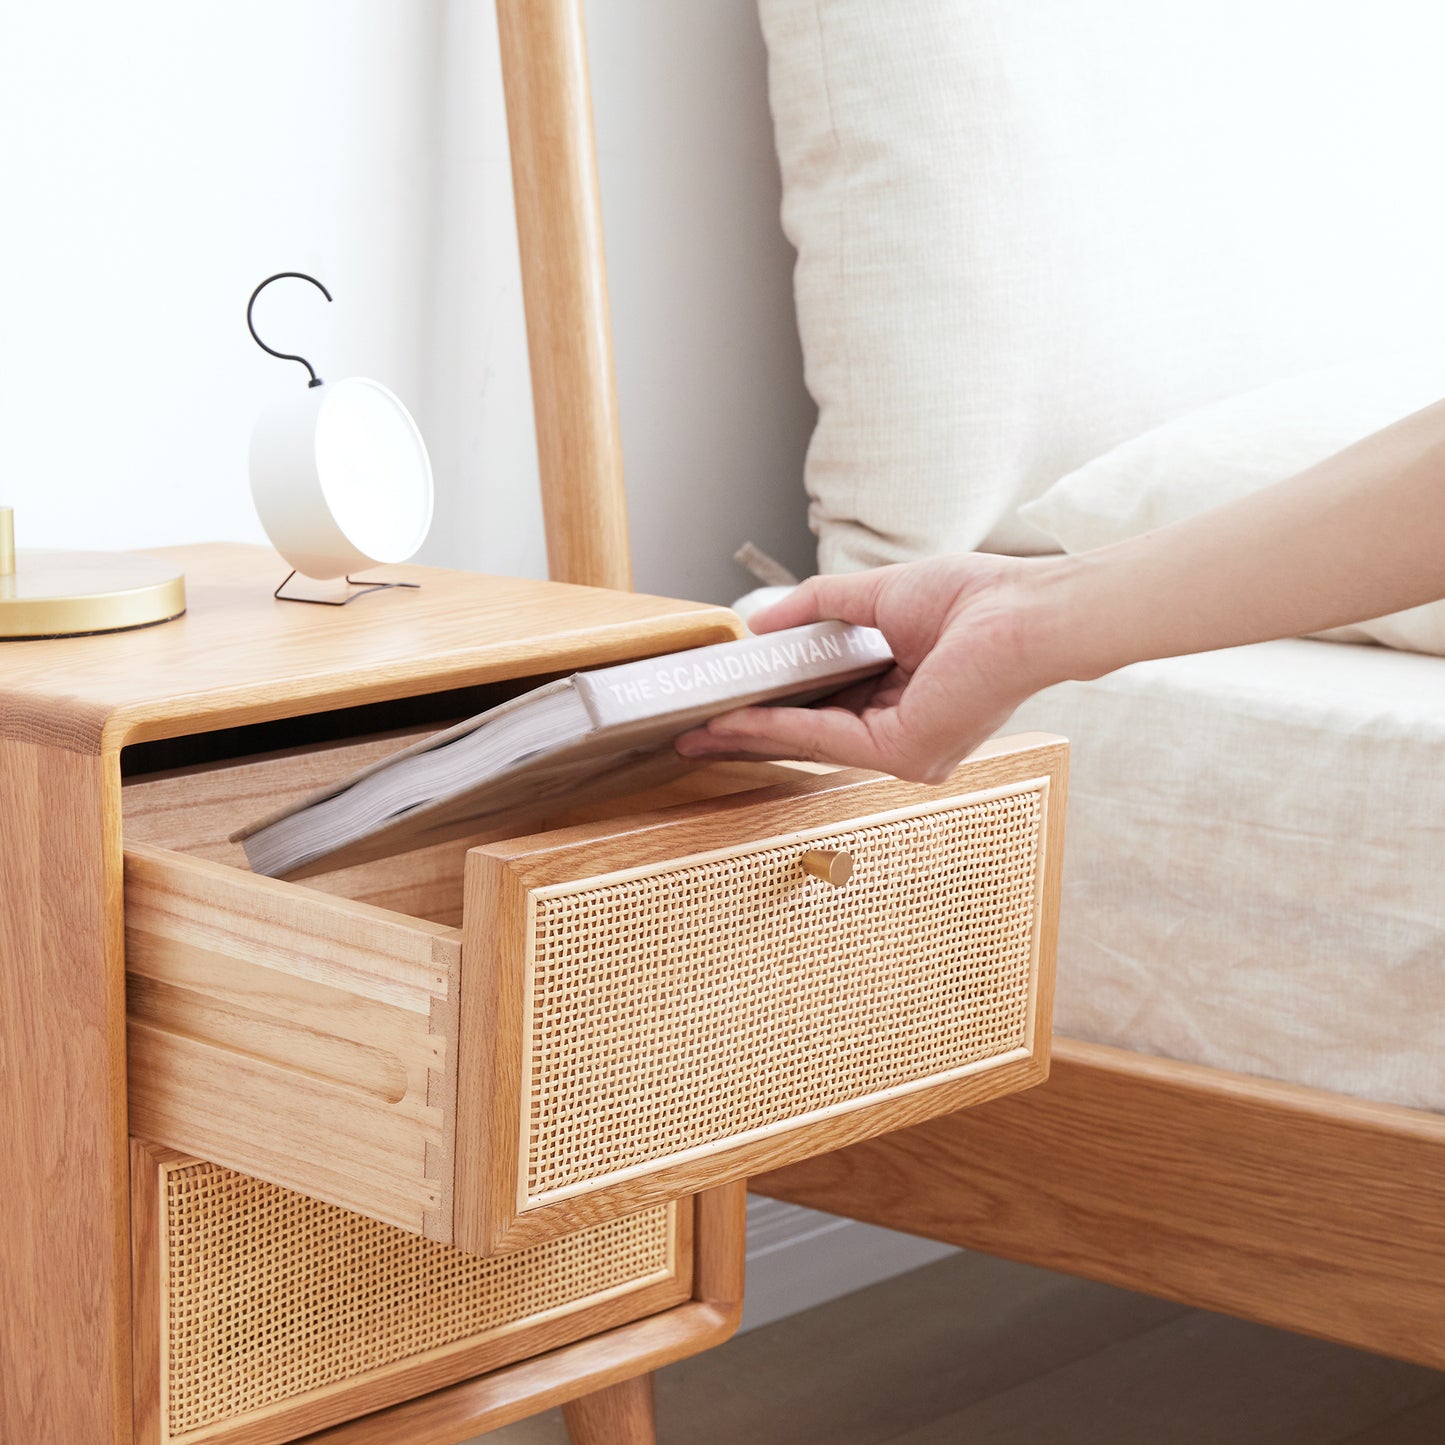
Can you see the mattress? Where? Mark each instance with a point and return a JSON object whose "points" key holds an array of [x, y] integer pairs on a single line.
{"points": [[1254, 872]]}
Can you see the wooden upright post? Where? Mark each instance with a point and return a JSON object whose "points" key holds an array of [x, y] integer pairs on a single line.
{"points": [[564, 283]]}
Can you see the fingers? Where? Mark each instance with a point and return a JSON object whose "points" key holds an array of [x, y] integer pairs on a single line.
{"points": [[848, 597], [827, 735], [812, 734], [882, 691]]}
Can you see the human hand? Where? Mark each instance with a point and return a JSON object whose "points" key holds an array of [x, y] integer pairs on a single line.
{"points": [[963, 662], [1355, 537]]}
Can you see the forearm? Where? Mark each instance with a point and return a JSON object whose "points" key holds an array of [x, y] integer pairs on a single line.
{"points": [[1360, 535]]}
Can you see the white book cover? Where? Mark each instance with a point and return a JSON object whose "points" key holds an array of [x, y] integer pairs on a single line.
{"points": [[608, 730]]}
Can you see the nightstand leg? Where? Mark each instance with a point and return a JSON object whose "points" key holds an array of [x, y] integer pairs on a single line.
{"points": [[620, 1415]]}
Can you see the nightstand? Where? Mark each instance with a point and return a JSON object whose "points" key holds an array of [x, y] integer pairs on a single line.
{"points": [[423, 1145]]}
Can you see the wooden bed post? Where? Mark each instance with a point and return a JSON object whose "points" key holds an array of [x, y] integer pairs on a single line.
{"points": [[574, 388], [564, 285]]}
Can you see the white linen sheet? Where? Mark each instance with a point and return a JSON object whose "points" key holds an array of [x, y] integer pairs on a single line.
{"points": [[1254, 872]]}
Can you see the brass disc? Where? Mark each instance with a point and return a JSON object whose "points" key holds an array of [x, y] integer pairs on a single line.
{"points": [[64, 594]]}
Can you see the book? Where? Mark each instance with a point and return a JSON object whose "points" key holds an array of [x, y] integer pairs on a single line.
{"points": [[605, 730]]}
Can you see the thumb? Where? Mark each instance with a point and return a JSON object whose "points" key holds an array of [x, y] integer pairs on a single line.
{"points": [[846, 597]]}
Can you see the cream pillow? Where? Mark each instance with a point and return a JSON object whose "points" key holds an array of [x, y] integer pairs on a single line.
{"points": [[1236, 447], [1027, 232]]}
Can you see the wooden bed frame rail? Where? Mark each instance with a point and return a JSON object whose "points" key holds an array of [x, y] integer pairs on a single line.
{"points": [[1290, 1206]]}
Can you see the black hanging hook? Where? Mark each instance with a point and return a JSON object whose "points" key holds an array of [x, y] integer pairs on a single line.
{"points": [[284, 355]]}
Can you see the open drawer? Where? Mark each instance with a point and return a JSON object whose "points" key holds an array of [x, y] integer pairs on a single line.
{"points": [[492, 1042]]}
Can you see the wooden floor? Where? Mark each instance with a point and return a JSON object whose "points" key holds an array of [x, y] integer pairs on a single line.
{"points": [[977, 1351]]}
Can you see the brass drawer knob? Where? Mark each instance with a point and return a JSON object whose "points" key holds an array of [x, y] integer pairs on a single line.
{"points": [[834, 868]]}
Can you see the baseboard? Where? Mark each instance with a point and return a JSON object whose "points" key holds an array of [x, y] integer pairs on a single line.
{"points": [[798, 1258]]}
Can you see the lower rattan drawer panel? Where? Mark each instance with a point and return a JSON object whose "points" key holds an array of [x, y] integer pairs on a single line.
{"points": [[262, 1314]]}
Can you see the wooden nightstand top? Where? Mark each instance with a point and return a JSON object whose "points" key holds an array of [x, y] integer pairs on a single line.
{"points": [[239, 656]]}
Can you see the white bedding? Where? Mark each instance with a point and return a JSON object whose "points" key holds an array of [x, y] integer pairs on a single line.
{"points": [[1255, 864]]}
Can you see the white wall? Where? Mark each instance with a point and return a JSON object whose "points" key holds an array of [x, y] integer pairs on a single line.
{"points": [[159, 158]]}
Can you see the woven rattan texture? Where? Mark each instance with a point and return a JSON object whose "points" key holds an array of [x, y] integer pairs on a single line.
{"points": [[271, 1294], [692, 1005]]}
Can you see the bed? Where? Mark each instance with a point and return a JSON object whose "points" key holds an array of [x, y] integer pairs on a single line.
{"points": [[1028, 237], [1293, 929], [1243, 1112]]}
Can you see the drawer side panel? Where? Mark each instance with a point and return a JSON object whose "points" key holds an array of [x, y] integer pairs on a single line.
{"points": [[305, 1039]]}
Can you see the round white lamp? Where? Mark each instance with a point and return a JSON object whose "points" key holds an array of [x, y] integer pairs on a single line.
{"points": [[340, 473]]}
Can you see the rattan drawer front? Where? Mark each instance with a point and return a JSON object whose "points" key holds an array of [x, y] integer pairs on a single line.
{"points": [[668, 1005], [263, 1314], [781, 996]]}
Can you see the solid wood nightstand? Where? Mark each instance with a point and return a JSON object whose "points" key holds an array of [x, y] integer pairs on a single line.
{"points": [[410, 1160]]}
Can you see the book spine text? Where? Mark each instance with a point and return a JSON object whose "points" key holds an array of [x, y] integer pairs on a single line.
{"points": [[753, 669]]}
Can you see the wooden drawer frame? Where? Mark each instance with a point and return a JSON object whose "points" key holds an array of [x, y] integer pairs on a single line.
{"points": [[373, 1059]]}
